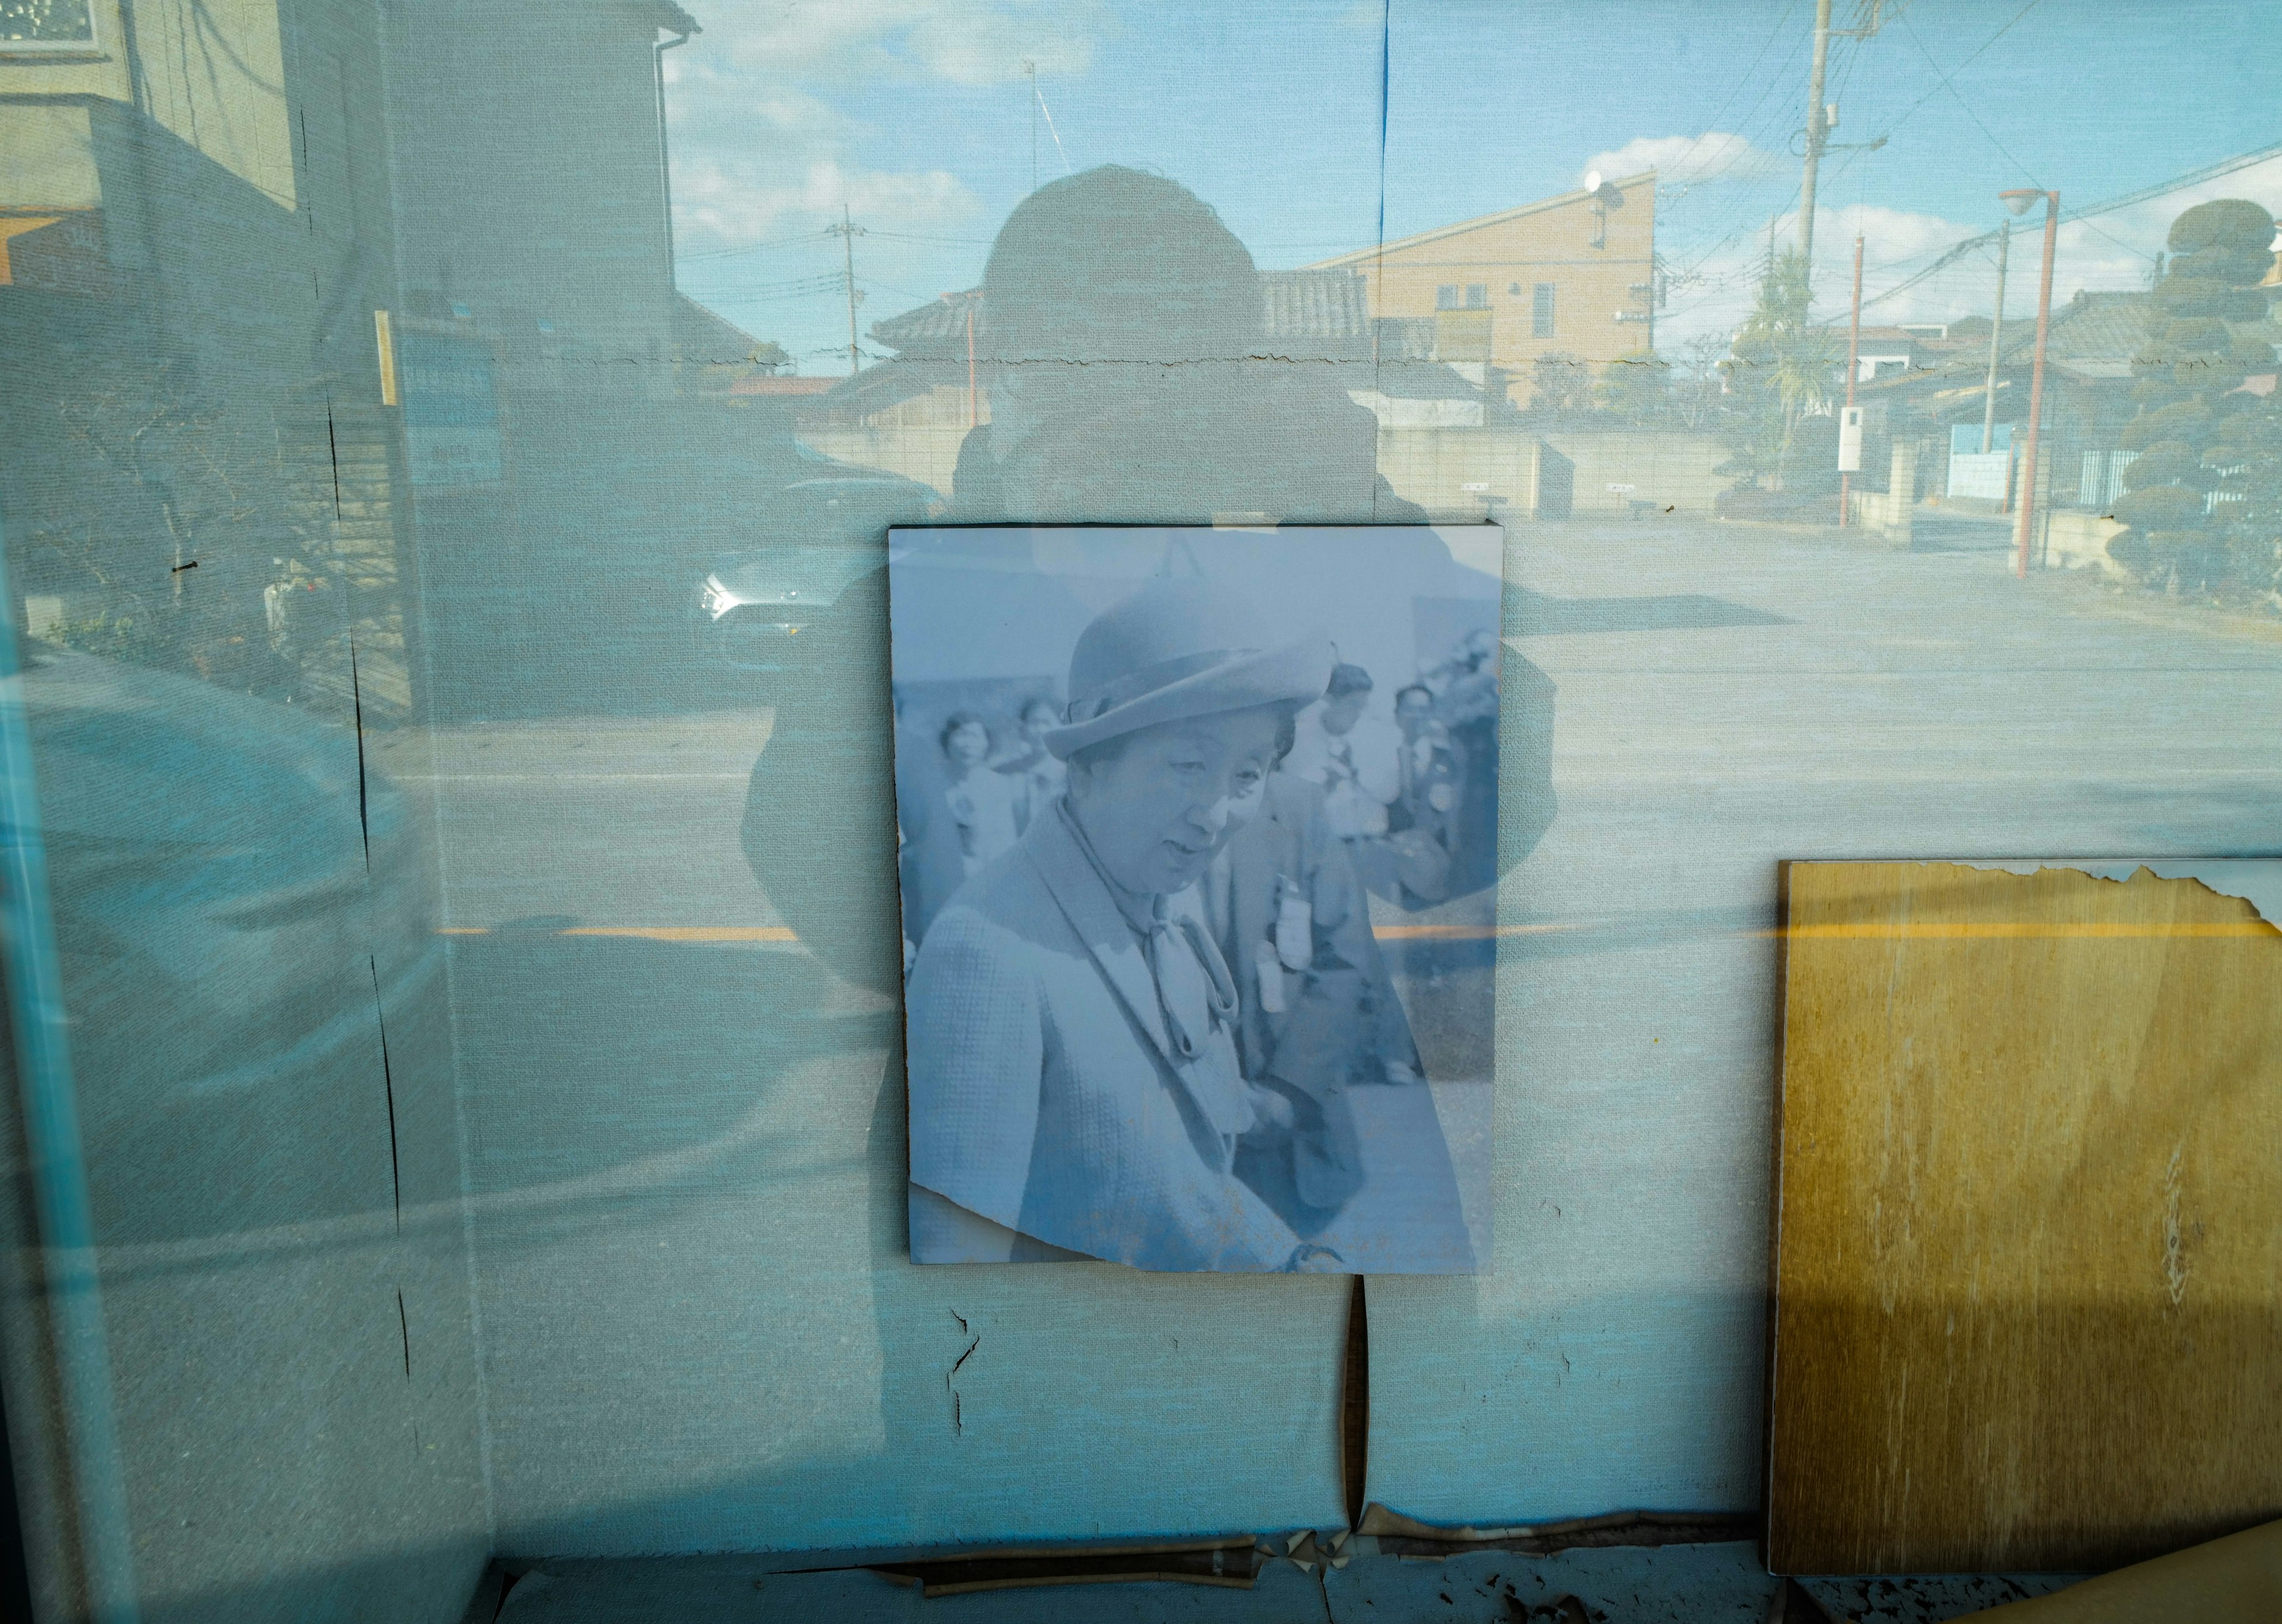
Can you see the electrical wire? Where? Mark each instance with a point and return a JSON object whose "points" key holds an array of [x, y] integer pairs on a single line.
{"points": [[2003, 150], [1712, 126], [781, 242]]}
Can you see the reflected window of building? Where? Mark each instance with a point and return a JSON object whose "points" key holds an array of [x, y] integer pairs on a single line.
{"points": [[1541, 312], [1446, 297], [1478, 296], [45, 23]]}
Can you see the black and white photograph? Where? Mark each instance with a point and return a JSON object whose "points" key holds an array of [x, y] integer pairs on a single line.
{"points": [[1197, 837]]}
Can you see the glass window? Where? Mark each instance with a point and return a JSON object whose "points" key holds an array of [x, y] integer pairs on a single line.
{"points": [[459, 800], [36, 23]]}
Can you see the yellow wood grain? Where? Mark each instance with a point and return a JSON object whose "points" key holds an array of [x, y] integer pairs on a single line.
{"points": [[2027, 1258]]}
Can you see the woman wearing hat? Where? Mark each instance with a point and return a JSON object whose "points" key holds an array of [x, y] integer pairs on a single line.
{"points": [[1074, 1072]]}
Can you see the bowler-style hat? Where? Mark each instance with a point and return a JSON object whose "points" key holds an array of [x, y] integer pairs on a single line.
{"points": [[1176, 649]]}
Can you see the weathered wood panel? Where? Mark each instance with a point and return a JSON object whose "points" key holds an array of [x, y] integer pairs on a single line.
{"points": [[2028, 1223]]}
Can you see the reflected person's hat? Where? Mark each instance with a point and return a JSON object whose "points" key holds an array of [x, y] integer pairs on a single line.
{"points": [[1178, 649]]}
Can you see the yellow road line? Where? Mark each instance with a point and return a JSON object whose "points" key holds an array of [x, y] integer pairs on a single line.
{"points": [[1463, 933], [650, 932], [2031, 930]]}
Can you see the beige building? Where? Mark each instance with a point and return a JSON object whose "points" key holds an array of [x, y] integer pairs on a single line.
{"points": [[1572, 276], [210, 71]]}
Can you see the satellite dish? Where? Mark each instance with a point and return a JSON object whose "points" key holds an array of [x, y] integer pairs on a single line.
{"points": [[1591, 179]]}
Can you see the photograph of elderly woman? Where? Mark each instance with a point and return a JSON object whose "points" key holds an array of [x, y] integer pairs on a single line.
{"points": [[1198, 842]]}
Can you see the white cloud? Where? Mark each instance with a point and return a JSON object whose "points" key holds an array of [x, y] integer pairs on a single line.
{"points": [[1715, 290], [760, 149], [771, 125], [722, 204], [963, 41], [2118, 250], [1685, 161], [762, 146], [2110, 251]]}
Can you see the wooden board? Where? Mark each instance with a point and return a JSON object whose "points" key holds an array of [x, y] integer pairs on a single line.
{"points": [[2028, 1221]]}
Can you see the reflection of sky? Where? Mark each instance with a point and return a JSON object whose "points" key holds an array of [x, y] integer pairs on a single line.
{"points": [[917, 116]]}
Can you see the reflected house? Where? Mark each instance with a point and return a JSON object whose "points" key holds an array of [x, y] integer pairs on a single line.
{"points": [[2090, 347], [531, 185], [639, 437], [909, 413], [196, 219], [205, 525], [1437, 335], [713, 357], [1395, 365], [1572, 276], [535, 255]]}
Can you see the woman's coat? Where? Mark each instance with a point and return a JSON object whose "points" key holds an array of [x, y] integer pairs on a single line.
{"points": [[1043, 1093]]}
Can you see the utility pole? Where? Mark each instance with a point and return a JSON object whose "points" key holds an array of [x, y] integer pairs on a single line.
{"points": [[1853, 367], [666, 156], [1816, 130], [2018, 202], [847, 232], [1033, 69], [1995, 327]]}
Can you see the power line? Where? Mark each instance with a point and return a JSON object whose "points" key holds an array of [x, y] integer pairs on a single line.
{"points": [[1961, 66], [1712, 126], [1743, 215], [2003, 150], [1948, 84], [767, 292], [781, 242], [917, 237], [2129, 199]]}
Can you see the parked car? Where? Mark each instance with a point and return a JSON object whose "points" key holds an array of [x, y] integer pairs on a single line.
{"points": [[824, 533], [238, 900]]}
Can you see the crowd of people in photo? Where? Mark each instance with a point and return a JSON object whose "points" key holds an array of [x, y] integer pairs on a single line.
{"points": [[1410, 793]]}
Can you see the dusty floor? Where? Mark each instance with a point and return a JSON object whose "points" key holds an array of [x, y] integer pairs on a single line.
{"points": [[1671, 1584]]}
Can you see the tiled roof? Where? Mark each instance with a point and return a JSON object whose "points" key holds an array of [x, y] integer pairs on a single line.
{"points": [[704, 335], [2094, 334], [936, 328], [1310, 315], [1294, 304]]}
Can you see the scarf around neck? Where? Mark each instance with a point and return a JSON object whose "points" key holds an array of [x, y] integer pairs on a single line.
{"points": [[1194, 990]]}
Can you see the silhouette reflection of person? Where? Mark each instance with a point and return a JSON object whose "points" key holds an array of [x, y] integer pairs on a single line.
{"points": [[1122, 339]]}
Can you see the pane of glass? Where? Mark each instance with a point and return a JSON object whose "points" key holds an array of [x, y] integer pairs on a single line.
{"points": [[46, 21], [456, 959]]}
